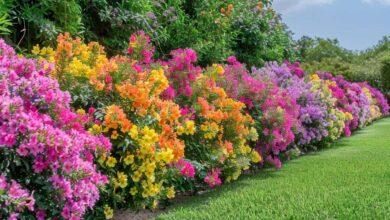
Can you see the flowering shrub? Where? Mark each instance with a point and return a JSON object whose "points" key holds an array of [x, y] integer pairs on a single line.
{"points": [[318, 115], [128, 109], [44, 147], [272, 107], [379, 105], [220, 132], [225, 119], [359, 105]]}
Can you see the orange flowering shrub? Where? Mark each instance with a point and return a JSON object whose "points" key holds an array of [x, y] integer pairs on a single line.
{"points": [[124, 98], [219, 140]]}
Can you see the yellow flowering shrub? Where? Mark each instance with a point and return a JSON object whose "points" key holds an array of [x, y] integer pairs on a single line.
{"points": [[220, 140], [125, 101]]}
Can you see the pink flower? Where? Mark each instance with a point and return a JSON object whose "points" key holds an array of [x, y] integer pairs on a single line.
{"points": [[13, 216], [91, 110], [231, 59], [40, 215], [65, 212], [186, 168], [274, 161], [212, 177]]}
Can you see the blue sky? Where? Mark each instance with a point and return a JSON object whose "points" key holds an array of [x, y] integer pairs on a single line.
{"points": [[358, 24]]}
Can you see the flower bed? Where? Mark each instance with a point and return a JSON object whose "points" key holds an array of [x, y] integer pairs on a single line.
{"points": [[132, 131]]}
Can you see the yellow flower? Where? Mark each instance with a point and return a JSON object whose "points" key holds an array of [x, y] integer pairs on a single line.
{"points": [[35, 50], [171, 192], [111, 161], [154, 204], [122, 179], [108, 212], [190, 127], [134, 132], [96, 129], [129, 159], [165, 155], [114, 135], [133, 191], [220, 70], [256, 158], [314, 77], [81, 111], [180, 130], [253, 136], [137, 176]]}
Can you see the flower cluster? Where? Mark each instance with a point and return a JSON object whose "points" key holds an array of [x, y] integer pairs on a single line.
{"points": [[43, 144], [359, 102], [15, 198], [219, 140], [318, 116], [266, 102], [142, 127], [181, 73]]}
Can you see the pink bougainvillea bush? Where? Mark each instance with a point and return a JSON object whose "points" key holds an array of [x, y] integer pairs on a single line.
{"points": [[271, 106], [46, 156]]}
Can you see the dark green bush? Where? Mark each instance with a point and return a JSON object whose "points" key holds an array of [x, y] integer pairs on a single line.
{"points": [[216, 29]]}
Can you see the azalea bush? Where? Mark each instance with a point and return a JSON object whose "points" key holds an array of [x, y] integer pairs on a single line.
{"points": [[47, 158], [273, 109]]}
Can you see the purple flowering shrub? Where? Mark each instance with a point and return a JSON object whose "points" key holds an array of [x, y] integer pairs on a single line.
{"points": [[45, 153], [314, 99], [358, 103]]}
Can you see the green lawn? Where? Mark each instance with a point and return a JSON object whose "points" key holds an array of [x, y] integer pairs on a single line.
{"points": [[349, 181]]}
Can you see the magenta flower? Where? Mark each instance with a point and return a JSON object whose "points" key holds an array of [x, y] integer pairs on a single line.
{"points": [[212, 177], [186, 168]]}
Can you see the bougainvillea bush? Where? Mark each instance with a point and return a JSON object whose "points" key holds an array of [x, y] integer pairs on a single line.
{"points": [[319, 118], [273, 109], [46, 155], [357, 101], [132, 131], [123, 95], [219, 140]]}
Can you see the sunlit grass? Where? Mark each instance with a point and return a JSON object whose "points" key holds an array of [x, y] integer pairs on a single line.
{"points": [[349, 181]]}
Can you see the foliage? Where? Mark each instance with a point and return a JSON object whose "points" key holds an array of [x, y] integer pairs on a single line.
{"points": [[215, 29]]}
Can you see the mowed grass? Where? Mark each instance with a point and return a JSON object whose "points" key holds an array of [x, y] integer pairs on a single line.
{"points": [[351, 180]]}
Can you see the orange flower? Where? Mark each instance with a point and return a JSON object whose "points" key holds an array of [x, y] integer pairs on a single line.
{"points": [[260, 6]]}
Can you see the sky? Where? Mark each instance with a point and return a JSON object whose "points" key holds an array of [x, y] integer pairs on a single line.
{"points": [[358, 24]]}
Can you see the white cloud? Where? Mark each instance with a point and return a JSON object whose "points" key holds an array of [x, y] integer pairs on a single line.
{"points": [[296, 5], [384, 2]]}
